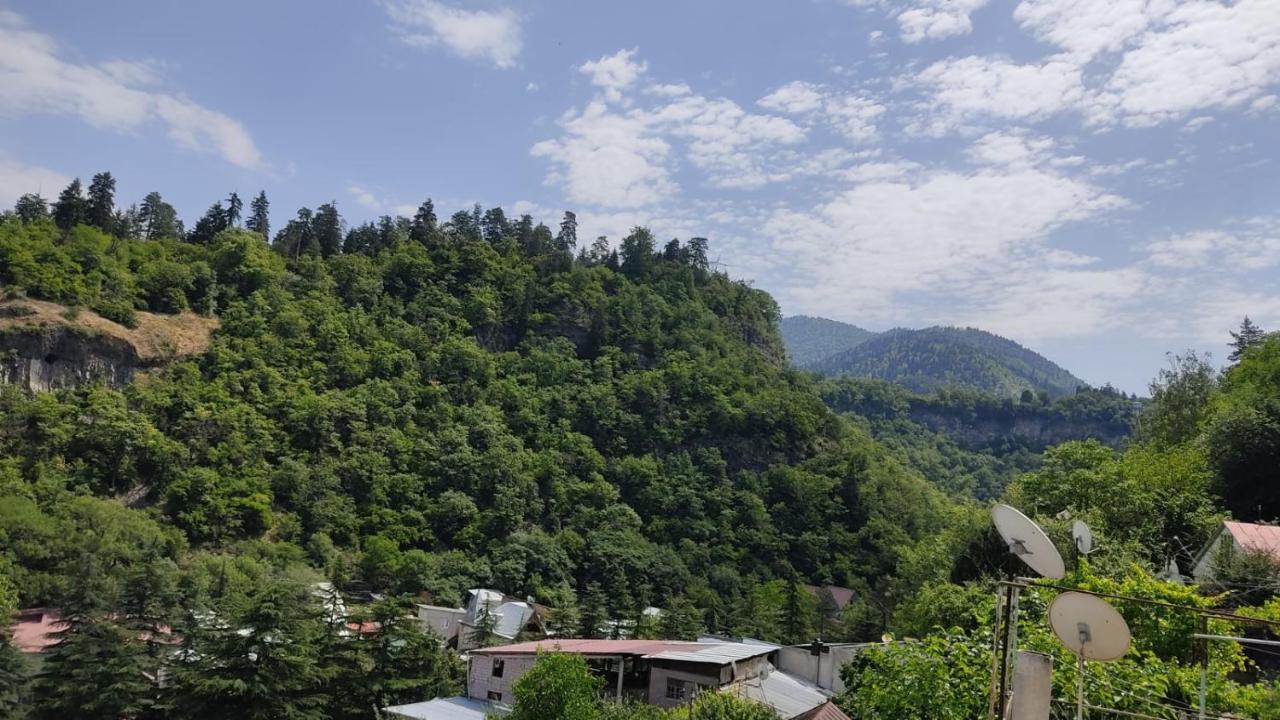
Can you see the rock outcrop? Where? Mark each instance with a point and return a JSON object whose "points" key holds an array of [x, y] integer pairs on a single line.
{"points": [[45, 346]]}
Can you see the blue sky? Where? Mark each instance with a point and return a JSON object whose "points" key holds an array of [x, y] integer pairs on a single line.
{"points": [[1093, 178]]}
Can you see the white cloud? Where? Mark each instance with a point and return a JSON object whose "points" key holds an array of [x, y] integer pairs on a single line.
{"points": [[1086, 28], [724, 140], [910, 245], [1012, 148], [492, 36], [17, 179], [609, 159], [973, 88], [854, 116], [364, 198], [794, 98], [1205, 54], [617, 156], [614, 73], [35, 79], [1250, 246], [937, 19]]}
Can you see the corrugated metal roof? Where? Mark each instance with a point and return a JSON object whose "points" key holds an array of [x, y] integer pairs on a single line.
{"points": [[715, 653], [788, 696], [826, 711], [454, 708], [1258, 538]]}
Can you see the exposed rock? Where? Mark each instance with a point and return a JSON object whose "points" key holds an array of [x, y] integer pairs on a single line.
{"points": [[45, 346]]}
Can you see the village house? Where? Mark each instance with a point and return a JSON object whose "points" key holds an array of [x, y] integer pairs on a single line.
{"points": [[1232, 539], [659, 672], [505, 617]]}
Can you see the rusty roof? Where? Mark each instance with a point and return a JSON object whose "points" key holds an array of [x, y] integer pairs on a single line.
{"points": [[1258, 538]]}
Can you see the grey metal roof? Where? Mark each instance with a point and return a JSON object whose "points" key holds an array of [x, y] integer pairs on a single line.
{"points": [[721, 654], [788, 696], [454, 708]]}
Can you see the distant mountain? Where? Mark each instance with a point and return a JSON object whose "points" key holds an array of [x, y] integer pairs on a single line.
{"points": [[813, 339], [925, 360]]}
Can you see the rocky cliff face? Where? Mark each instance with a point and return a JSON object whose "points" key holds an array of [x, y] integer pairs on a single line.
{"points": [[52, 358], [44, 347]]}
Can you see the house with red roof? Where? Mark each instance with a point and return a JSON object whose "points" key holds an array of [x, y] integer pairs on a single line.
{"points": [[665, 673], [1234, 538]]}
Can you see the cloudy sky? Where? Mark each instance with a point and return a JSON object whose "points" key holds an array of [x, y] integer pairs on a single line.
{"points": [[1094, 178]]}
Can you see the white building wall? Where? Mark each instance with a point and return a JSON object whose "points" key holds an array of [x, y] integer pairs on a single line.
{"points": [[481, 681], [441, 620], [1204, 569]]}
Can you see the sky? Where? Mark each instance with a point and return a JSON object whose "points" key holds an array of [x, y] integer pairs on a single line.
{"points": [[1096, 179]]}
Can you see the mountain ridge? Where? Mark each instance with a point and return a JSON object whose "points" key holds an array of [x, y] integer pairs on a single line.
{"points": [[925, 360]]}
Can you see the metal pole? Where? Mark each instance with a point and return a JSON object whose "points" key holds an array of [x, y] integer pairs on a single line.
{"points": [[995, 657], [1009, 621], [1204, 663], [1080, 689]]}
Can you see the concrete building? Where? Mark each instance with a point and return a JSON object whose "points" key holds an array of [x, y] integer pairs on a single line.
{"points": [[659, 672], [1233, 538], [509, 617]]}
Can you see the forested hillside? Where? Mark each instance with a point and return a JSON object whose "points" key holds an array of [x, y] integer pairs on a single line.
{"points": [[811, 339], [925, 360], [414, 407], [422, 407], [972, 443]]}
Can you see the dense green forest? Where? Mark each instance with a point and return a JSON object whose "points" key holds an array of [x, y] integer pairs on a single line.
{"points": [[973, 443], [925, 360], [416, 406]]}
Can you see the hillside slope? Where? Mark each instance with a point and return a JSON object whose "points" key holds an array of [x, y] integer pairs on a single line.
{"points": [[928, 359], [812, 339]]}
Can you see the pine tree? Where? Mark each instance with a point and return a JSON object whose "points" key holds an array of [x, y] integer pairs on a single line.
{"points": [[567, 239], [157, 218], [263, 662], [13, 679], [680, 620], [31, 208], [97, 669], [592, 614], [234, 207], [297, 236], [69, 210], [1250, 336], [483, 633], [326, 230], [100, 210], [494, 225], [424, 223], [259, 216], [213, 222]]}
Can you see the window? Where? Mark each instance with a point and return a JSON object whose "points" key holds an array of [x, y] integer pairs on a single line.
{"points": [[675, 690], [498, 666], [495, 696]]}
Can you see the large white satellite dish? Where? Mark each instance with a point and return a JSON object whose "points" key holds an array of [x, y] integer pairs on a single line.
{"points": [[1083, 537], [1089, 627], [1026, 540]]}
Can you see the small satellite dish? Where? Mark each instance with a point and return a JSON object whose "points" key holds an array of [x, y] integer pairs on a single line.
{"points": [[1172, 574], [1083, 537], [1089, 627], [1028, 542]]}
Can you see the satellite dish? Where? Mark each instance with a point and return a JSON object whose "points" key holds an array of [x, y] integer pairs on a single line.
{"points": [[1083, 537], [1028, 542], [1089, 627], [1172, 574]]}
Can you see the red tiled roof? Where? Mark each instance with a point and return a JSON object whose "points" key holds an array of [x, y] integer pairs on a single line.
{"points": [[842, 596], [33, 629], [825, 711], [1258, 538]]}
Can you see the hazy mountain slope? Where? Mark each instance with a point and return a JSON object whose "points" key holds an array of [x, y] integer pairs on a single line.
{"points": [[812, 339], [925, 360]]}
